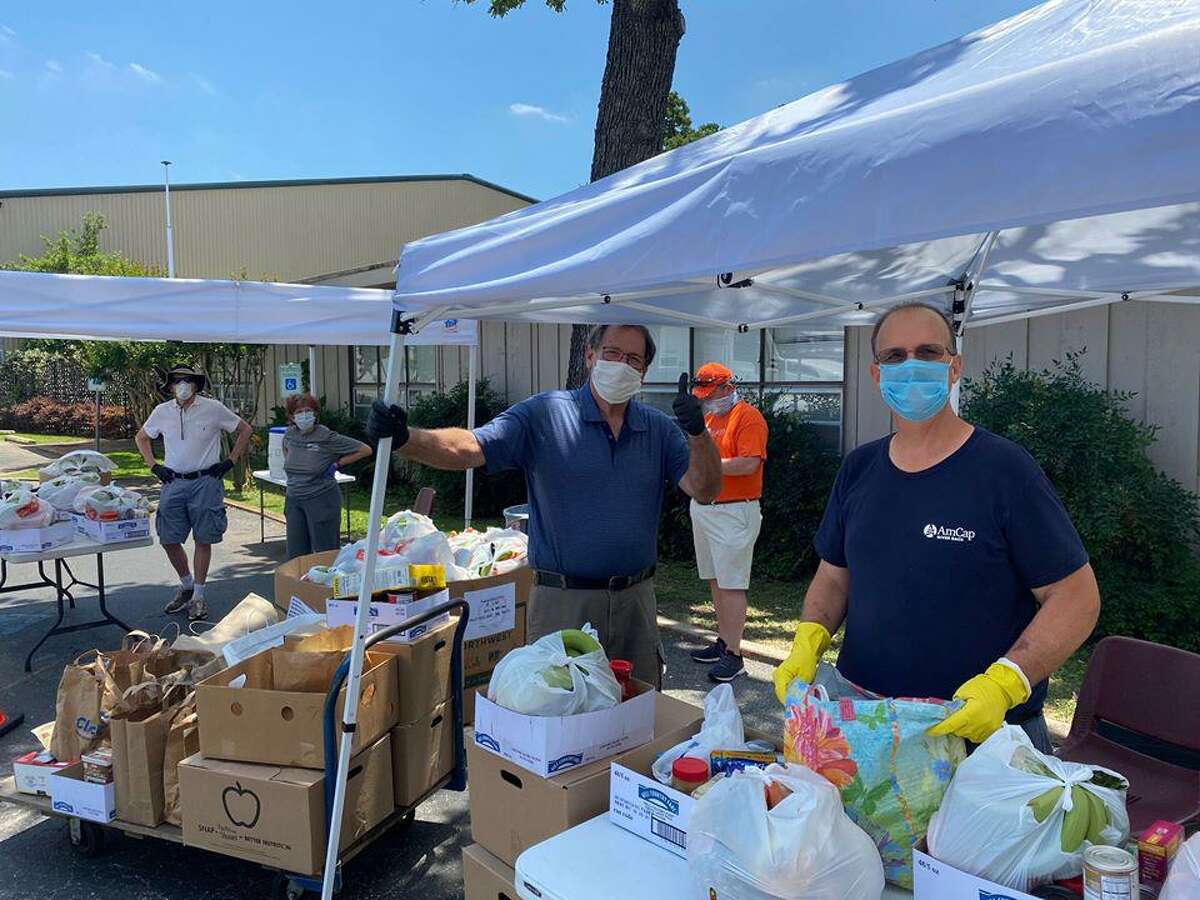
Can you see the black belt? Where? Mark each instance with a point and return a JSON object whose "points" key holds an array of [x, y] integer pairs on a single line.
{"points": [[723, 502], [192, 476], [570, 583]]}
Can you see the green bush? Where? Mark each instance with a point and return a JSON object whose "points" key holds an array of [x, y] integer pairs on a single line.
{"points": [[448, 409], [798, 475], [1138, 525]]}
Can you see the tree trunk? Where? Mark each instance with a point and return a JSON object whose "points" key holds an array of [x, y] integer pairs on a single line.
{"points": [[643, 39]]}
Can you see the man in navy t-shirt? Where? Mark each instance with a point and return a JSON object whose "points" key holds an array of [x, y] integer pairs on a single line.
{"points": [[946, 553]]}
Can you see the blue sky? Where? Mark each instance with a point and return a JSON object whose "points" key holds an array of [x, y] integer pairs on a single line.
{"points": [[264, 90]]}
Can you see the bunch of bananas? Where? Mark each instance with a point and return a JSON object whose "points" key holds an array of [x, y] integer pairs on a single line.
{"points": [[1087, 818], [576, 643]]}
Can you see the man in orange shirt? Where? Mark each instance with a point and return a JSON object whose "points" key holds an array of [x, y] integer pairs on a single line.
{"points": [[725, 529]]}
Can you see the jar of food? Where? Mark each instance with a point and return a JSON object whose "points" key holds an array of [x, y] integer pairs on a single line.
{"points": [[623, 670], [688, 773]]}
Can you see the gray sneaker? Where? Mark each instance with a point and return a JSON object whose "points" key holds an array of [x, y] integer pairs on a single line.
{"points": [[197, 609], [183, 596]]}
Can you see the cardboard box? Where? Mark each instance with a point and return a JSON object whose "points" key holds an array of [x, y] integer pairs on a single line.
{"points": [[384, 615], [72, 796], [422, 671], [1157, 846], [485, 877], [422, 755], [512, 808], [289, 583], [935, 880], [112, 532], [32, 771], [546, 745], [644, 806], [276, 815], [256, 723], [36, 540]]}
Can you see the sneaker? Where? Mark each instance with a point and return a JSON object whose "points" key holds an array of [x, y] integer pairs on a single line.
{"points": [[183, 597], [198, 609], [729, 668], [710, 654]]}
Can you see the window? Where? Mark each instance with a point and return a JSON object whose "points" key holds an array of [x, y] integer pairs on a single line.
{"points": [[369, 372], [794, 354], [738, 351]]}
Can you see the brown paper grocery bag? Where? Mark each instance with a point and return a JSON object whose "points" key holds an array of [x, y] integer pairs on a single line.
{"points": [[85, 693], [183, 739], [139, 748], [297, 670]]}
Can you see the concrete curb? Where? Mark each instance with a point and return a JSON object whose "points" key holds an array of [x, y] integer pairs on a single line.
{"points": [[760, 652], [246, 507]]}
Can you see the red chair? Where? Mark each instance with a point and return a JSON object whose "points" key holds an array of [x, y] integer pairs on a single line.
{"points": [[424, 502], [1144, 695]]}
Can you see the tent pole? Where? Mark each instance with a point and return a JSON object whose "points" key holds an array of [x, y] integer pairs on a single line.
{"points": [[314, 386], [469, 490], [383, 453], [970, 285]]}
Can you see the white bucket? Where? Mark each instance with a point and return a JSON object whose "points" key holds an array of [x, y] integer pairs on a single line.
{"points": [[275, 451]]}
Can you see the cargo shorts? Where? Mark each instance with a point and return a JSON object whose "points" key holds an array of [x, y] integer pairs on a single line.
{"points": [[627, 622], [195, 506]]}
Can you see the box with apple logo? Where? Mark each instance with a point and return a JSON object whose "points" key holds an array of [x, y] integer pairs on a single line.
{"points": [[276, 815]]}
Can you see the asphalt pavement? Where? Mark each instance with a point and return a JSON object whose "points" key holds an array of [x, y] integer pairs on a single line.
{"points": [[36, 859]]}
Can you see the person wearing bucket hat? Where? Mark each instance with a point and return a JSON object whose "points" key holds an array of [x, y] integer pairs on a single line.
{"points": [[192, 500], [724, 529]]}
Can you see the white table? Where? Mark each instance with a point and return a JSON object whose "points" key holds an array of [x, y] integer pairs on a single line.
{"points": [[264, 477], [80, 546], [616, 863]]}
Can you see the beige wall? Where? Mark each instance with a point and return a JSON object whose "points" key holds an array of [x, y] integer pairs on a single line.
{"points": [[1152, 349]]}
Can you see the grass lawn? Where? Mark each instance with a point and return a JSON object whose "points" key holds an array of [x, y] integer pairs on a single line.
{"points": [[775, 609], [22, 437]]}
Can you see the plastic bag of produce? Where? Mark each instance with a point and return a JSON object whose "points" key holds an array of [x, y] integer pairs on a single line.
{"points": [[431, 549], [402, 527], [564, 673], [1183, 880], [78, 461], [7, 486], [320, 575], [876, 751], [779, 834], [1021, 818], [722, 730], [21, 509], [60, 492], [112, 503]]}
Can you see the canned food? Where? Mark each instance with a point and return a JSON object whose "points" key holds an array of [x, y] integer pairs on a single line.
{"points": [[1109, 873]]}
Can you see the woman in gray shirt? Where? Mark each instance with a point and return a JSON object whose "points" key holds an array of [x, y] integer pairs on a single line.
{"points": [[312, 454]]}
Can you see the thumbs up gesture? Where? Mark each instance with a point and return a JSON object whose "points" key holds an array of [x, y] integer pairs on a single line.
{"points": [[689, 414]]}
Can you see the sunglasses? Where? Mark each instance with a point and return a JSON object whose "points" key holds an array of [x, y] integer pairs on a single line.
{"points": [[890, 356]]}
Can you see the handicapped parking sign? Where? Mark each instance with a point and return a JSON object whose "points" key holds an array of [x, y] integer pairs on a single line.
{"points": [[291, 377]]}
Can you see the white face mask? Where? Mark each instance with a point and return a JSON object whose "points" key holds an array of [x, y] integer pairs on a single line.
{"points": [[615, 382], [721, 405], [305, 419], [184, 391]]}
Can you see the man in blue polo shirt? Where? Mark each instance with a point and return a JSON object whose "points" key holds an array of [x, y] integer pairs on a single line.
{"points": [[946, 554], [596, 465]]}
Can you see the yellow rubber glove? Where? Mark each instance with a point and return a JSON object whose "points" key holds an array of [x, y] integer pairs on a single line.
{"points": [[986, 698], [812, 639]]}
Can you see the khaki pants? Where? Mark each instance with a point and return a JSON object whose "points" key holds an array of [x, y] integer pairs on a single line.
{"points": [[626, 620]]}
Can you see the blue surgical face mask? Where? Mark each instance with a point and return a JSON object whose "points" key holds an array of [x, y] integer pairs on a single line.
{"points": [[915, 390]]}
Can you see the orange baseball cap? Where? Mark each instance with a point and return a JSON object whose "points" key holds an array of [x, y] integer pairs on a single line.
{"points": [[709, 377]]}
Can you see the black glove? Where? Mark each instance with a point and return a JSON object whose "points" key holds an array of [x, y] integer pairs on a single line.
{"points": [[162, 473], [388, 421], [689, 414], [218, 470]]}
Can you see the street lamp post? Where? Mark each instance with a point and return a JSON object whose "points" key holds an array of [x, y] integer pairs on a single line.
{"points": [[166, 164]]}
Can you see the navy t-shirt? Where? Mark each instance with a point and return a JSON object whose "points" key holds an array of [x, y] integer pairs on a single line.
{"points": [[942, 563]]}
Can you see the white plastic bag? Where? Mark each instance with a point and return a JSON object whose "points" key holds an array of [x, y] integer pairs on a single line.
{"points": [[112, 502], [805, 847], [1183, 879], [7, 486], [402, 527], [21, 509], [320, 575], [722, 730], [518, 683], [78, 461], [61, 492], [985, 824]]}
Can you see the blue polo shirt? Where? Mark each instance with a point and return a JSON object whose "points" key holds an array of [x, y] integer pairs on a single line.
{"points": [[594, 500], [942, 563]]}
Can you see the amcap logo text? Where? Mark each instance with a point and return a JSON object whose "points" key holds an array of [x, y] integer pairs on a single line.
{"points": [[957, 534]]}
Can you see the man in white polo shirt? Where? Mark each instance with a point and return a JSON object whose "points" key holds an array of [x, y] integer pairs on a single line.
{"points": [[193, 492]]}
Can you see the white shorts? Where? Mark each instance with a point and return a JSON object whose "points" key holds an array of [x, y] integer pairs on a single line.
{"points": [[724, 535]]}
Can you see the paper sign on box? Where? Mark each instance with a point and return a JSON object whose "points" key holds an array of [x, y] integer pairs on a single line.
{"points": [[384, 615], [935, 880], [547, 745], [493, 610]]}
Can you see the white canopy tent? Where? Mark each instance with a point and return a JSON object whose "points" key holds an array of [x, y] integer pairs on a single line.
{"points": [[1042, 164]]}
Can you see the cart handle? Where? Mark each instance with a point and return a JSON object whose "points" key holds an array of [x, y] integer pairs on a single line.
{"points": [[458, 779]]}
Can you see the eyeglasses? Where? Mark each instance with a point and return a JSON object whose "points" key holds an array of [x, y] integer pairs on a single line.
{"points": [[615, 354], [891, 356]]}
